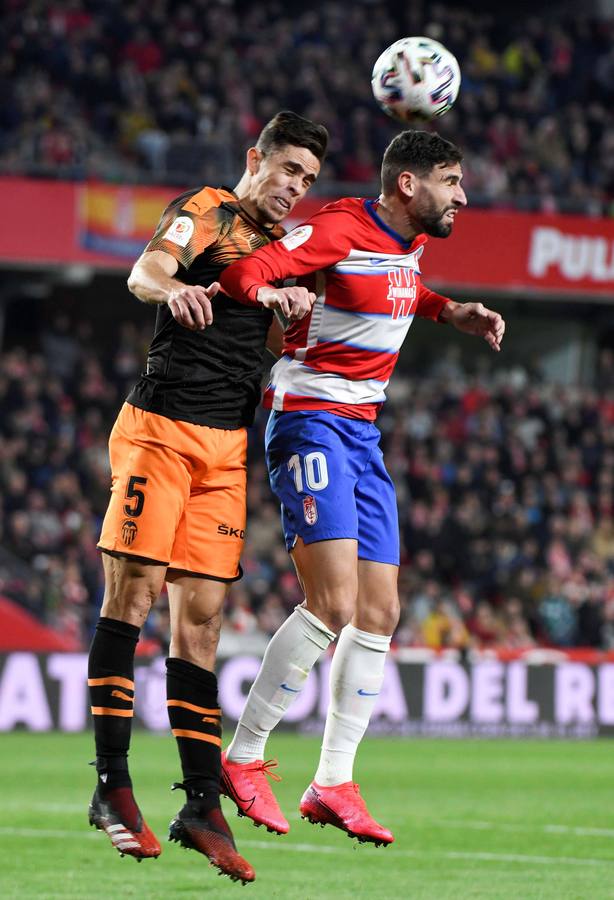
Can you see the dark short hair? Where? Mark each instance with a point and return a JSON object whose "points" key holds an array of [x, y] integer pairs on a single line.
{"points": [[418, 152], [289, 128]]}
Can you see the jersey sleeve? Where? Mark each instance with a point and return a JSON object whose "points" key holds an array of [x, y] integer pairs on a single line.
{"points": [[320, 242], [184, 234], [430, 304]]}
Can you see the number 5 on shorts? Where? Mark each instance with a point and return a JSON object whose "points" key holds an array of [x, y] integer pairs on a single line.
{"points": [[315, 468], [133, 492]]}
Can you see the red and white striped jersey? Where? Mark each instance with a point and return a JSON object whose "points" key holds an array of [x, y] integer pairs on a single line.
{"points": [[366, 279]]}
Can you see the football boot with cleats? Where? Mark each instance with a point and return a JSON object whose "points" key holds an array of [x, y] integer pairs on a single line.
{"points": [[197, 827], [247, 785], [117, 814], [342, 806]]}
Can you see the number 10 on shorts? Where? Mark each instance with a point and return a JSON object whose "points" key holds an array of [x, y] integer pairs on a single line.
{"points": [[312, 470]]}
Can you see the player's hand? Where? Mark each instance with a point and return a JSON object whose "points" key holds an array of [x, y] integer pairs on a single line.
{"points": [[475, 318], [293, 302], [191, 305]]}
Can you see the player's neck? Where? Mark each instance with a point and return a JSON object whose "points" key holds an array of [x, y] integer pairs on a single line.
{"points": [[242, 193], [252, 211], [394, 215]]}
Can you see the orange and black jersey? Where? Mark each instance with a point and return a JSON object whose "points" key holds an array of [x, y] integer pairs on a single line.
{"points": [[209, 377]]}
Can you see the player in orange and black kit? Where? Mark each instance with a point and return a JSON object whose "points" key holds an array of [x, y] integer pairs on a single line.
{"points": [[177, 508]]}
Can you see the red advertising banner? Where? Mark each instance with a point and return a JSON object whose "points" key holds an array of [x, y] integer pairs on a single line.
{"points": [[525, 253], [106, 226], [52, 222]]}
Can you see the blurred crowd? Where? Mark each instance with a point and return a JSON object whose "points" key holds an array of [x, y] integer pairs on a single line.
{"points": [[148, 89], [505, 484]]}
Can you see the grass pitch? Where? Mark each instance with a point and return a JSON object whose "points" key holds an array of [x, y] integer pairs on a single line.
{"points": [[473, 819]]}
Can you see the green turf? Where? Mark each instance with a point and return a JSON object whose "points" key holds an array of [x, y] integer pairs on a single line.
{"points": [[484, 819]]}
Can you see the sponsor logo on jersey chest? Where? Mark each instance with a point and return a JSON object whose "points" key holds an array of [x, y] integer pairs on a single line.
{"points": [[402, 291]]}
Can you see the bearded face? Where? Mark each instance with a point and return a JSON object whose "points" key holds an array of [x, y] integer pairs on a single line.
{"points": [[438, 198]]}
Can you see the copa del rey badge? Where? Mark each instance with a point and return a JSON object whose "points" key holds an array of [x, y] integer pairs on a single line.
{"points": [[180, 231], [310, 510], [297, 236]]}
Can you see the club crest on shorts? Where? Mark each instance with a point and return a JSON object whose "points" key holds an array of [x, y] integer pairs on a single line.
{"points": [[129, 530], [310, 510]]}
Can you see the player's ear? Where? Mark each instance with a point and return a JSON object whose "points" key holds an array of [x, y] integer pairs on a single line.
{"points": [[406, 183], [253, 160]]}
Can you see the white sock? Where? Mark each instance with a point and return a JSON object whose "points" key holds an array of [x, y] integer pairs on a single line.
{"points": [[289, 658], [356, 677]]}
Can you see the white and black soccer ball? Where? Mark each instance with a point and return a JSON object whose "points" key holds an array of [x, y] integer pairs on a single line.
{"points": [[416, 78]]}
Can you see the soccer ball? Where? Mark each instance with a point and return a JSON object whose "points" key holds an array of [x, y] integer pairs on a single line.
{"points": [[416, 78]]}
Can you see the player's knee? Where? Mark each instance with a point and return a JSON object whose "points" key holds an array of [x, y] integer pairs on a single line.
{"points": [[204, 629], [338, 619], [132, 611], [382, 618], [128, 605], [334, 612], [390, 620], [131, 589]]}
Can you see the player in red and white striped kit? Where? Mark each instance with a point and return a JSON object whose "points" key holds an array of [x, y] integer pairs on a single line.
{"points": [[358, 261]]}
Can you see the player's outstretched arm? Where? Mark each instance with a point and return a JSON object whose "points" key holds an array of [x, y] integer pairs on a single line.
{"points": [[151, 280], [316, 245], [293, 302], [475, 318]]}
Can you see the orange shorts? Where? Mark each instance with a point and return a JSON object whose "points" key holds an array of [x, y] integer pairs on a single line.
{"points": [[177, 494]]}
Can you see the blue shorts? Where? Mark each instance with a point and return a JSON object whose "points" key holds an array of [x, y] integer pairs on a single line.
{"points": [[328, 474]]}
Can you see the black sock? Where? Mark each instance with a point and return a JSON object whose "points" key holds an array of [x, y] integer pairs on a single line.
{"points": [[110, 678], [195, 717]]}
